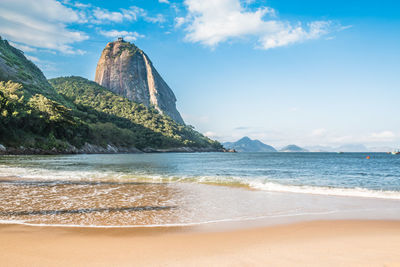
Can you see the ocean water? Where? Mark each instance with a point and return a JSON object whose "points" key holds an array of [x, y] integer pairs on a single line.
{"points": [[128, 190]]}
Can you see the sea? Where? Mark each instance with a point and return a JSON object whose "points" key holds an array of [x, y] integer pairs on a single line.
{"points": [[197, 189]]}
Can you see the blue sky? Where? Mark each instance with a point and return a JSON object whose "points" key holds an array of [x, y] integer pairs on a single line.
{"points": [[304, 72]]}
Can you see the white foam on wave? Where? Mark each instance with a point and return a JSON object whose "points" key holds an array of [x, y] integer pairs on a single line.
{"points": [[331, 191], [51, 174], [264, 184], [256, 183]]}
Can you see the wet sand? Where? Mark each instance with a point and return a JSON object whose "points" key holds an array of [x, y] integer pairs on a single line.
{"points": [[317, 243], [126, 203]]}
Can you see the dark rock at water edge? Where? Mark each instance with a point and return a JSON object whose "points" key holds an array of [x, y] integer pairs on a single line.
{"points": [[95, 149]]}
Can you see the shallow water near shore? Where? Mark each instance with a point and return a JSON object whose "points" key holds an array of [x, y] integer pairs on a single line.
{"points": [[176, 189]]}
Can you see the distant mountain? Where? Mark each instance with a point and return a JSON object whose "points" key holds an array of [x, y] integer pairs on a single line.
{"points": [[381, 149], [292, 148], [349, 148], [353, 148], [320, 149], [247, 145]]}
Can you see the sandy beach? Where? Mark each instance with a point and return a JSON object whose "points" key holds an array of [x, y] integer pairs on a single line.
{"points": [[317, 243]]}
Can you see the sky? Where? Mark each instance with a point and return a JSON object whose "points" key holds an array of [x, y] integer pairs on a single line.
{"points": [[305, 72]]}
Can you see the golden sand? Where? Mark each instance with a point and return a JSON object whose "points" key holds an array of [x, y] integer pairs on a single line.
{"points": [[318, 243]]}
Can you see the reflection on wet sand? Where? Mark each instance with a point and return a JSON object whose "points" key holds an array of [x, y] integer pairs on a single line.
{"points": [[46, 212], [88, 202]]}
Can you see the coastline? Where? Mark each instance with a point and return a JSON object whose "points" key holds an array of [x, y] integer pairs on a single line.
{"points": [[315, 243], [95, 149]]}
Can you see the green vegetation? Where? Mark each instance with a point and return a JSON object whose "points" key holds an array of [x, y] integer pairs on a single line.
{"points": [[131, 48], [97, 116], [36, 122]]}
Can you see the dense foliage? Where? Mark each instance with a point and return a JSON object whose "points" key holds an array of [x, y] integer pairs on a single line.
{"points": [[36, 121], [97, 117]]}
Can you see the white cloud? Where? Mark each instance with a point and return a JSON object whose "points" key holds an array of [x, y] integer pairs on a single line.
{"points": [[342, 28], [179, 21], [81, 5], [164, 1], [211, 134], [41, 23], [32, 58], [103, 15], [159, 18], [374, 138], [286, 34], [383, 135], [44, 23], [128, 36], [319, 132], [211, 22], [24, 48]]}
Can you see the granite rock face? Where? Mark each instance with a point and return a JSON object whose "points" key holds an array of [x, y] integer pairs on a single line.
{"points": [[126, 70]]}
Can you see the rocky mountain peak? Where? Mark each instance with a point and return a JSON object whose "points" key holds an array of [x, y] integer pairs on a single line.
{"points": [[126, 70]]}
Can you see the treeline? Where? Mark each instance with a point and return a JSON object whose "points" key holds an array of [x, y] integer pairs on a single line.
{"points": [[91, 114]]}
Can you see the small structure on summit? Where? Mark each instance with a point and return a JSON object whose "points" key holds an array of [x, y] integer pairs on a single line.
{"points": [[121, 39]]}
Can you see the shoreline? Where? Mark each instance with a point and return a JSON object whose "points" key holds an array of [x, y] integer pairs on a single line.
{"points": [[94, 149], [315, 243], [138, 204]]}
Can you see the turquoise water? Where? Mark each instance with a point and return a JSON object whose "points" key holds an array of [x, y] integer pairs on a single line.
{"points": [[380, 174], [195, 188]]}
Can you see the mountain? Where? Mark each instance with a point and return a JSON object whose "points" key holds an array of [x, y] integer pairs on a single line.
{"points": [[16, 67], [75, 115], [292, 148], [320, 148], [349, 148], [353, 148], [126, 70], [381, 149], [247, 145]]}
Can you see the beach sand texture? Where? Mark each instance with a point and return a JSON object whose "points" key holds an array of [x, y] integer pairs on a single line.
{"points": [[317, 243]]}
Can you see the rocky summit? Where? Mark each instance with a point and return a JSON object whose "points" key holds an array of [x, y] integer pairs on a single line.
{"points": [[126, 70]]}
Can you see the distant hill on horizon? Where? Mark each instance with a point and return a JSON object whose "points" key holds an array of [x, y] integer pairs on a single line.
{"points": [[293, 148], [349, 148], [353, 148], [246, 144]]}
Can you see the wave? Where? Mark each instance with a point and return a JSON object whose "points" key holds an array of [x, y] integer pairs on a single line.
{"points": [[332, 191], [258, 183], [265, 185]]}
